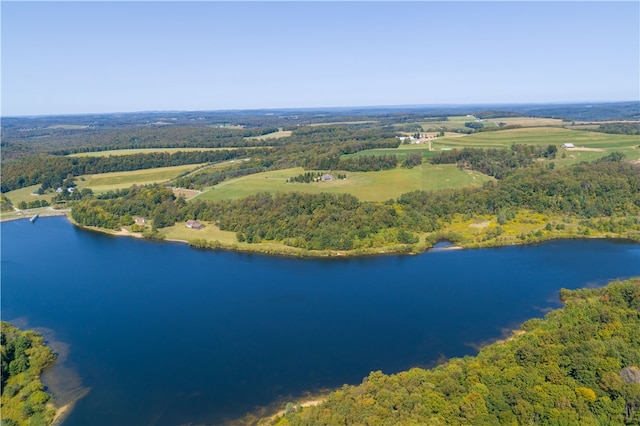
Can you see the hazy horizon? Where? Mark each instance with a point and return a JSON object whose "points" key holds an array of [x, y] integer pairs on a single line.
{"points": [[335, 108], [69, 58]]}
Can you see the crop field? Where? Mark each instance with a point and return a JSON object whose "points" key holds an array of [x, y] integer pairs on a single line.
{"points": [[111, 181], [527, 121], [275, 135], [607, 143], [142, 151], [366, 186]]}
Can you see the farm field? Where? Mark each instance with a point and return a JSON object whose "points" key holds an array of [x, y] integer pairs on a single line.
{"points": [[457, 122], [366, 186], [115, 152], [118, 180], [607, 143], [275, 135], [538, 136]]}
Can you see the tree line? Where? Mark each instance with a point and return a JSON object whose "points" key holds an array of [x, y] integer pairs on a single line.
{"points": [[51, 171], [498, 163]]}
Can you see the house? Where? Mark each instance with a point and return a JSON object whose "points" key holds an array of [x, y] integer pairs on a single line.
{"points": [[568, 145], [140, 220], [194, 224], [327, 177]]}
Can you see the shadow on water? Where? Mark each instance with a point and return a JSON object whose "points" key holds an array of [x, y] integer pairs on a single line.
{"points": [[62, 379]]}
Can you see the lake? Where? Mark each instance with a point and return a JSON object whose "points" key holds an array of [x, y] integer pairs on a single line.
{"points": [[163, 334]]}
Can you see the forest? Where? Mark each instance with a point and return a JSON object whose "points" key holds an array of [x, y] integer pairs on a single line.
{"points": [[24, 357], [579, 365]]}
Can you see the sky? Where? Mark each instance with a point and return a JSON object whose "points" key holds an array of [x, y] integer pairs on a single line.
{"points": [[100, 57]]}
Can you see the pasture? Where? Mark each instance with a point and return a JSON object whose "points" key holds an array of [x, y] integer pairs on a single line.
{"points": [[118, 180], [366, 186]]}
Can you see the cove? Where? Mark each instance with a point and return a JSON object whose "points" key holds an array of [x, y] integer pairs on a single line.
{"points": [[163, 334]]}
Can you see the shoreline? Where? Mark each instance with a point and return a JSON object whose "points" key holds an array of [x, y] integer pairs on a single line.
{"points": [[293, 252], [26, 214]]}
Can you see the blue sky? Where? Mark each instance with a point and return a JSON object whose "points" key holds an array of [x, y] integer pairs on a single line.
{"points": [[94, 57]]}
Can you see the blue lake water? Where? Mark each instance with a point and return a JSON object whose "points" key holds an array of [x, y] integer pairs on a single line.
{"points": [[164, 335]]}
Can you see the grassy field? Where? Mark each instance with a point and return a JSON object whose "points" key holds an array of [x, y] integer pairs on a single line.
{"points": [[26, 194], [118, 180], [538, 136], [367, 186], [115, 152], [534, 135], [275, 135], [210, 233]]}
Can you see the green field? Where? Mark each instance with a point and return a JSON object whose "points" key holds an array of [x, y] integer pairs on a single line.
{"points": [[115, 152], [210, 232], [457, 122], [119, 180], [539, 136], [607, 143], [26, 194], [367, 186]]}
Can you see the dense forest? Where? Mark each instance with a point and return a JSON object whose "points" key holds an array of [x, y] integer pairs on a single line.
{"points": [[24, 357], [580, 365]]}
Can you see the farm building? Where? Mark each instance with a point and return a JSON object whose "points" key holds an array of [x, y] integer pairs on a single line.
{"points": [[326, 177], [568, 145], [194, 224]]}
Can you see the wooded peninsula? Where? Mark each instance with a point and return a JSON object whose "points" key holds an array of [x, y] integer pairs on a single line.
{"points": [[580, 365], [334, 183]]}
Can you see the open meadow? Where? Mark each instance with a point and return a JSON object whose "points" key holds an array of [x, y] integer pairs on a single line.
{"points": [[366, 186], [118, 180]]}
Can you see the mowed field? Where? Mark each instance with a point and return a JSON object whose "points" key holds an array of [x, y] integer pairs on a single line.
{"points": [[119, 180], [605, 143], [116, 152], [26, 194], [457, 122], [366, 186], [274, 135]]}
